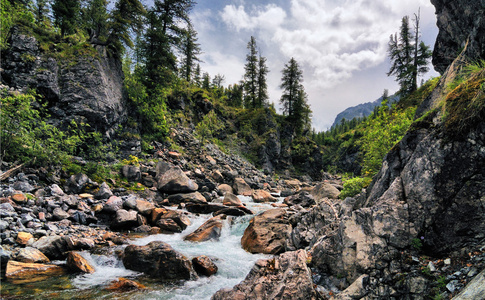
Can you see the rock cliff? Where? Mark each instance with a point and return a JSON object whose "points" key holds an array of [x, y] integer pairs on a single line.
{"points": [[84, 84], [458, 22]]}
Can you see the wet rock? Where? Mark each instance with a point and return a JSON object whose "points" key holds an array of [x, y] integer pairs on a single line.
{"points": [[230, 211], [195, 197], [24, 238], [203, 265], [158, 260], [241, 187], [224, 189], [260, 196], [267, 232], [31, 255], [30, 272], [303, 199], [104, 192], [231, 200], [54, 246], [173, 221], [5, 256], [283, 277], [77, 263], [125, 219], [206, 208], [210, 230], [175, 181], [324, 190], [123, 285]]}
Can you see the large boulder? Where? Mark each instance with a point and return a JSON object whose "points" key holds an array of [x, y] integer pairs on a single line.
{"points": [[158, 260], [175, 181], [77, 263], [30, 272], [53, 246], [210, 230], [203, 265], [241, 187], [231, 200], [324, 190], [195, 197], [303, 199], [283, 277], [267, 232], [172, 221], [125, 219], [261, 196], [31, 255]]}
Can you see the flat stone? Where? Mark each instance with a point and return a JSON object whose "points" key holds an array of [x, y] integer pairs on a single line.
{"points": [[30, 272]]}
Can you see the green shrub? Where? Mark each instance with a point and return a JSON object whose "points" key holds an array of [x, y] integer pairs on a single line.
{"points": [[354, 186], [209, 126]]}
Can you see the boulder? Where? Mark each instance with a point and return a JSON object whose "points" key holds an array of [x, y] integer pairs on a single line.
{"points": [[324, 190], [475, 290], [104, 192], [203, 265], [304, 199], [30, 272], [155, 215], [123, 285], [131, 172], [59, 214], [267, 232], [261, 196], [173, 221], [31, 255], [53, 246], [210, 230], [78, 183], [77, 263], [113, 204], [231, 211], [144, 207], [158, 260], [195, 197], [24, 238], [206, 208], [241, 187], [175, 181], [224, 189], [125, 219], [231, 200], [217, 176], [283, 277]]}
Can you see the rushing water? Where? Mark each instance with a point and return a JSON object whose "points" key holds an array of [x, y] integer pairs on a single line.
{"points": [[233, 262]]}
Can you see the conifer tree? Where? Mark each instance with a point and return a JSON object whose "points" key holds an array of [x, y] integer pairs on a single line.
{"points": [[66, 15], [190, 53], [197, 75], [409, 56], [42, 11], [95, 18], [206, 81], [261, 84], [126, 17], [294, 98], [251, 75]]}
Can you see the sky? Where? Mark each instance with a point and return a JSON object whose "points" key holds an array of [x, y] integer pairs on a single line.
{"points": [[341, 45]]}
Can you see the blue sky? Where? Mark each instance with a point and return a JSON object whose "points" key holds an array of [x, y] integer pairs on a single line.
{"points": [[340, 44]]}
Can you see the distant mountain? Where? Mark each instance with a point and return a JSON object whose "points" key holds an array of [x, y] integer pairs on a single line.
{"points": [[361, 110]]}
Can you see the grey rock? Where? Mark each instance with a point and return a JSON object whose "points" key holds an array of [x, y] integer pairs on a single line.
{"points": [[195, 197], [54, 246], [475, 290], [130, 172], [175, 181], [78, 183], [58, 214], [104, 192], [125, 219], [23, 186], [3, 225]]}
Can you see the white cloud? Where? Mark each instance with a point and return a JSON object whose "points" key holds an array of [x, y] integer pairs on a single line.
{"points": [[269, 16]]}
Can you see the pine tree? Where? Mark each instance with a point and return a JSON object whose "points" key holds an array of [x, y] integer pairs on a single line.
{"points": [[42, 11], [251, 75], [66, 15], [126, 17], [294, 98], [409, 57], [261, 83], [197, 75], [206, 81], [190, 51], [95, 18]]}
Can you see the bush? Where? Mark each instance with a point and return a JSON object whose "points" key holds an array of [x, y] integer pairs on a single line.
{"points": [[354, 186]]}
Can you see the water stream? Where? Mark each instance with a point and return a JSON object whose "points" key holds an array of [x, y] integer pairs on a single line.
{"points": [[233, 262]]}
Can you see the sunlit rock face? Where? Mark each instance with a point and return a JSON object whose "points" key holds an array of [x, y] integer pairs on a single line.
{"points": [[459, 22]]}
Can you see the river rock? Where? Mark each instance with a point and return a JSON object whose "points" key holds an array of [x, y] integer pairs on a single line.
{"points": [[231, 200], [267, 232], [104, 192], [206, 208], [173, 221], [304, 199], [125, 219], [210, 230], [175, 181], [203, 265], [195, 197], [158, 260], [24, 238], [230, 211], [283, 277], [155, 214], [144, 207], [29, 272], [241, 187], [224, 189], [77, 263], [113, 204], [324, 190], [31, 255], [123, 285], [53, 246], [261, 196]]}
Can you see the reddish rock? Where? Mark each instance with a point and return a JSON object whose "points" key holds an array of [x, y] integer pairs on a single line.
{"points": [[77, 263], [211, 229], [123, 285], [241, 187], [30, 272], [231, 200], [19, 198], [23, 238], [260, 196], [31, 255], [144, 207], [174, 155], [224, 189], [156, 214], [203, 265]]}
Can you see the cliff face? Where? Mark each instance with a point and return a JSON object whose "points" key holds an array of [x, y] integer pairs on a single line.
{"points": [[86, 86], [458, 22]]}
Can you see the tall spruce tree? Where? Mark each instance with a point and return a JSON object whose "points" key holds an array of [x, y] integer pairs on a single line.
{"points": [[294, 98], [409, 56], [251, 75], [95, 19], [125, 18], [190, 53], [41, 11], [261, 84], [66, 15]]}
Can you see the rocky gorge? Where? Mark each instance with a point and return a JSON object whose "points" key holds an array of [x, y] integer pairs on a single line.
{"points": [[194, 222]]}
